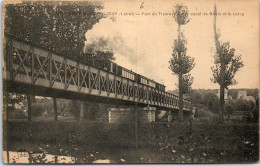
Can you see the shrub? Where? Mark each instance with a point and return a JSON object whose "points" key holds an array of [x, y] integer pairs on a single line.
{"points": [[229, 109], [37, 109], [242, 105]]}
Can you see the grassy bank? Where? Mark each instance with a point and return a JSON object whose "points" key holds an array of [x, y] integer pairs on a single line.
{"points": [[201, 142]]}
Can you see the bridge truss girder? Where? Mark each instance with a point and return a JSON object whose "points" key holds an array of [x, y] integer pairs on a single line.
{"points": [[31, 69]]}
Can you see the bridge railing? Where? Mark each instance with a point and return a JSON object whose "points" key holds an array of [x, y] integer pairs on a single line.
{"points": [[33, 65]]}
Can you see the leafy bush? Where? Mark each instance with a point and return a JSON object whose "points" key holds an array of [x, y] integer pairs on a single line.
{"points": [[241, 105], [37, 109], [16, 114], [229, 109], [249, 109]]}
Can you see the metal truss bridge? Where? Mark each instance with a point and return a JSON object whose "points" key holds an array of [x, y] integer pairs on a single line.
{"points": [[30, 69]]}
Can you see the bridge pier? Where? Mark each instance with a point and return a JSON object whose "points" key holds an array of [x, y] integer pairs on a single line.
{"points": [[157, 115]]}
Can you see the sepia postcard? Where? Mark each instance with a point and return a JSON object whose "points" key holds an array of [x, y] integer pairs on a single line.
{"points": [[130, 81]]}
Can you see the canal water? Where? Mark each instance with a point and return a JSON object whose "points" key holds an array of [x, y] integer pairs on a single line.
{"points": [[27, 158]]}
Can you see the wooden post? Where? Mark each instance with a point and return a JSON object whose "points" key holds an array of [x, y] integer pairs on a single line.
{"points": [[7, 154], [30, 158], [29, 107], [56, 159], [55, 109]]}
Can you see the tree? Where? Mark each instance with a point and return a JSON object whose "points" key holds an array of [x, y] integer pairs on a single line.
{"points": [[196, 97], [229, 109], [248, 107], [256, 112], [58, 26], [74, 108], [13, 98], [37, 109], [180, 63], [210, 100], [226, 66]]}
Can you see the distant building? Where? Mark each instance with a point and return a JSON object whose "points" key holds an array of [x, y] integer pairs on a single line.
{"points": [[243, 95], [249, 98]]}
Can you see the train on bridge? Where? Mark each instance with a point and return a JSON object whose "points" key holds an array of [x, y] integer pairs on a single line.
{"points": [[126, 73]]}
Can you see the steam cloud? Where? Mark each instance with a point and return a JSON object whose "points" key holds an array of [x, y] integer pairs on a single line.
{"points": [[113, 43]]}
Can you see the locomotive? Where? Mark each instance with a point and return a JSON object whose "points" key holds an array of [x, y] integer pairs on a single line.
{"points": [[121, 71]]}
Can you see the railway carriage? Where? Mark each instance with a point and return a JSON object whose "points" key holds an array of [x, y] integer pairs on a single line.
{"points": [[119, 70]]}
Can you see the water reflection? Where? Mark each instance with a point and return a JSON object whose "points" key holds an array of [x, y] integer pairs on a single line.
{"points": [[100, 161], [32, 158]]}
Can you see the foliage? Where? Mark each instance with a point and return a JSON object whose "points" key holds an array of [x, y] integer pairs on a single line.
{"points": [[256, 112], [187, 81], [37, 109], [249, 108], [17, 114], [229, 109], [205, 99], [242, 105], [196, 97], [180, 62], [211, 101], [226, 66], [257, 103], [58, 26], [13, 98], [226, 56], [252, 105], [162, 141], [181, 14], [73, 108]]}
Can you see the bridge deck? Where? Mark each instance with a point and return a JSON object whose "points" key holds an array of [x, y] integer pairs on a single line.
{"points": [[32, 69]]}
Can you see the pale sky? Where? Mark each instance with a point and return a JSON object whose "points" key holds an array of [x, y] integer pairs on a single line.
{"points": [[144, 43]]}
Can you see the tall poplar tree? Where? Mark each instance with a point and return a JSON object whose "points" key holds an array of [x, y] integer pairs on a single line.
{"points": [[225, 68], [180, 63]]}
